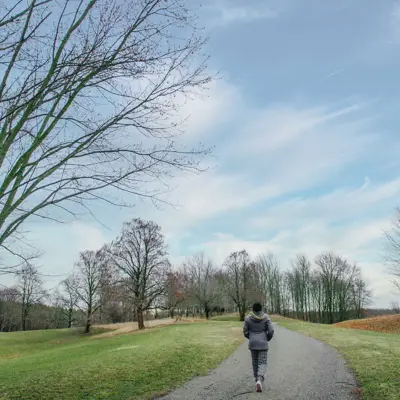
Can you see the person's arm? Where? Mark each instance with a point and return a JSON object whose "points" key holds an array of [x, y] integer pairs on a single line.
{"points": [[270, 329], [246, 332]]}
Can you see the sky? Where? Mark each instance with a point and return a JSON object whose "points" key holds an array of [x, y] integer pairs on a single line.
{"points": [[304, 119]]}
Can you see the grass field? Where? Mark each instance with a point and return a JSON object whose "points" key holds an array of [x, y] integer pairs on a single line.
{"points": [[63, 364], [374, 356], [226, 318]]}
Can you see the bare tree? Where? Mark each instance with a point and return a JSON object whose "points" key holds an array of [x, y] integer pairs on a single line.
{"points": [[271, 281], [395, 305], [175, 292], [88, 102], [9, 309], [141, 257], [67, 298], [393, 249], [202, 279], [31, 292], [240, 280], [89, 276], [337, 277], [362, 295]]}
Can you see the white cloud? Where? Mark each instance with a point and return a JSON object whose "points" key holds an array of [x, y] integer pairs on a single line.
{"points": [[202, 197], [337, 205], [213, 106], [274, 152], [61, 244]]}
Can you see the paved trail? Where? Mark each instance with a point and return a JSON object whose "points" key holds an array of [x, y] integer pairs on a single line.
{"points": [[299, 367]]}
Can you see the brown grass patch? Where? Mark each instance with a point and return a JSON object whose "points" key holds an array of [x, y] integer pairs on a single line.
{"points": [[131, 327], [127, 327], [384, 323]]}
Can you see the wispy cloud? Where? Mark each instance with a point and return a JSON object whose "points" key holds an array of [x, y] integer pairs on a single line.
{"points": [[225, 13], [394, 23]]}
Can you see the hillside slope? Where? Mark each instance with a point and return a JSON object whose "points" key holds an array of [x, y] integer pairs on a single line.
{"points": [[384, 323]]}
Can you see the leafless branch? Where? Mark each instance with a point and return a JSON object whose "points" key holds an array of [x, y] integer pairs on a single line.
{"points": [[89, 103]]}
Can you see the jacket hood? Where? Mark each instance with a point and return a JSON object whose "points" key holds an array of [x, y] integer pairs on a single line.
{"points": [[259, 316]]}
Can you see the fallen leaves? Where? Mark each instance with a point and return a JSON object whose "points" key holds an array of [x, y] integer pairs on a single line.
{"points": [[384, 323]]}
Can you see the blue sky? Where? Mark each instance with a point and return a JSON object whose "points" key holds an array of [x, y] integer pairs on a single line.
{"points": [[305, 119]]}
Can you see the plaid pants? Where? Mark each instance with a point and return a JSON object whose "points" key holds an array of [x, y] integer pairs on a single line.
{"points": [[259, 360]]}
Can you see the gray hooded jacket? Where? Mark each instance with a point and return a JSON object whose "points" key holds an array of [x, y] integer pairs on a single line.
{"points": [[259, 330]]}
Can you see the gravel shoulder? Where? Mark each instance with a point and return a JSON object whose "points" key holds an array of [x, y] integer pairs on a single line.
{"points": [[299, 367]]}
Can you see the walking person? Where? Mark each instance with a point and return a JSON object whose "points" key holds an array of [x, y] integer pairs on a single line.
{"points": [[259, 330]]}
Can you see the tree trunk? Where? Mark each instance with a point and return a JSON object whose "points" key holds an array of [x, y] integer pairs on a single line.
{"points": [[88, 321], [23, 319], [70, 318], [242, 313], [140, 319]]}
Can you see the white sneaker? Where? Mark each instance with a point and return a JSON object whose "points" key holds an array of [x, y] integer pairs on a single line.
{"points": [[259, 386]]}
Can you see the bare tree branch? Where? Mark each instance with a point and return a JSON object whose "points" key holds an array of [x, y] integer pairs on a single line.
{"points": [[393, 250], [89, 101]]}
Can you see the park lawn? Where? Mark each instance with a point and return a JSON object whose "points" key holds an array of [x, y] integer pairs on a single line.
{"points": [[227, 318], [374, 356], [17, 344], [43, 365]]}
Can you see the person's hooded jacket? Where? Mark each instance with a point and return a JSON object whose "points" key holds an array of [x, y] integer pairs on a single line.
{"points": [[259, 330]]}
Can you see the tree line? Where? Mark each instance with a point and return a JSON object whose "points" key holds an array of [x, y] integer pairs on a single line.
{"points": [[131, 279]]}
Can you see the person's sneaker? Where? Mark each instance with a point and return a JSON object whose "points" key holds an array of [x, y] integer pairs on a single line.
{"points": [[259, 386]]}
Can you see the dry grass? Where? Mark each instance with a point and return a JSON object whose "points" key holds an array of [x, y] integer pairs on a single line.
{"points": [[384, 323], [129, 327]]}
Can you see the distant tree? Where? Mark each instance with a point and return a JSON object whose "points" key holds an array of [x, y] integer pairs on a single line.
{"points": [[393, 250], [395, 307], [31, 292], [90, 274], [203, 284], [271, 281], [140, 255], [301, 290], [10, 311], [240, 280], [362, 295], [67, 298], [337, 279], [175, 292]]}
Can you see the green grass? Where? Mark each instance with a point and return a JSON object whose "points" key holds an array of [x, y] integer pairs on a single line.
{"points": [[65, 365], [374, 356], [226, 318], [17, 344]]}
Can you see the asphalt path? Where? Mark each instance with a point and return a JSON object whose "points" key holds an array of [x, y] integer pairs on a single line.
{"points": [[299, 367]]}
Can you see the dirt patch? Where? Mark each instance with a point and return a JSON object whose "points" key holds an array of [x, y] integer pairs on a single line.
{"points": [[127, 327], [132, 327]]}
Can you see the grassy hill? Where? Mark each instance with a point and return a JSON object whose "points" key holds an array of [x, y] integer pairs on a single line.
{"points": [[64, 364], [384, 323]]}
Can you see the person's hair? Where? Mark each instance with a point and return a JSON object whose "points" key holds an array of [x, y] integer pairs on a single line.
{"points": [[257, 307]]}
